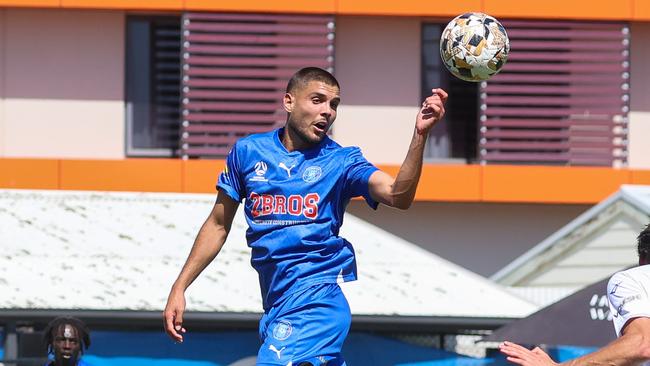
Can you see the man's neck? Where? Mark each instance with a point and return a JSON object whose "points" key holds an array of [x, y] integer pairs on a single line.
{"points": [[292, 141]]}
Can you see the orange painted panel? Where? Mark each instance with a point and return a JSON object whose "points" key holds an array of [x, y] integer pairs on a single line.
{"points": [[445, 182], [450, 183], [447, 8], [572, 9], [141, 175], [31, 3], [459, 183], [124, 4], [640, 177], [200, 176], [29, 173], [641, 10], [391, 170], [285, 6], [550, 184]]}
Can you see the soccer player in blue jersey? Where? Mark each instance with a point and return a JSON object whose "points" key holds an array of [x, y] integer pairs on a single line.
{"points": [[295, 183]]}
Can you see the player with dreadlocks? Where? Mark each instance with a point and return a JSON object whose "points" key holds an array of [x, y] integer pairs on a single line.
{"points": [[66, 338]]}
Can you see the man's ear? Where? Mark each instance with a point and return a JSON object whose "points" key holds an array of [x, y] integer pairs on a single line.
{"points": [[288, 102]]}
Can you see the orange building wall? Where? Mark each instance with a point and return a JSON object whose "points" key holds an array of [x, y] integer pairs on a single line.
{"points": [[441, 183], [582, 9]]}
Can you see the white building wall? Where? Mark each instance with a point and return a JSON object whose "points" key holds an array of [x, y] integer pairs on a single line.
{"points": [[639, 127], [482, 237], [63, 84], [378, 65]]}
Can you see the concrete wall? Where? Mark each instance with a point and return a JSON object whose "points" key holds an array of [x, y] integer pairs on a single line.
{"points": [[639, 127], [481, 237], [63, 84], [378, 66]]}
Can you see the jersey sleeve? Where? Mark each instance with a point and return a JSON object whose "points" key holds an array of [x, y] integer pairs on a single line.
{"points": [[230, 180], [359, 171], [627, 300]]}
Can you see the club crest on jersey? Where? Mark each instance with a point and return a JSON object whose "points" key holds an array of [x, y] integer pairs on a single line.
{"points": [[282, 330], [260, 172], [312, 174]]}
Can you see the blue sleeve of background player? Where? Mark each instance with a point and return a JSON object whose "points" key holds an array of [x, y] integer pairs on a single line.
{"points": [[359, 171], [230, 180]]}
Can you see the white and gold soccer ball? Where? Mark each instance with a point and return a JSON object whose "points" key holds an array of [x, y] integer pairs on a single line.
{"points": [[474, 46]]}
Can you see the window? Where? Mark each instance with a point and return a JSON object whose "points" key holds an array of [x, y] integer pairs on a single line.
{"points": [[197, 83], [153, 85], [235, 71], [561, 99], [455, 137]]}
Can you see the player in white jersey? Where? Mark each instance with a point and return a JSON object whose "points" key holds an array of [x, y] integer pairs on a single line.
{"points": [[628, 293]]}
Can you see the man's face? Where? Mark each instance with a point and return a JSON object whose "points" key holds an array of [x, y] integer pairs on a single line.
{"points": [[66, 345], [312, 110]]}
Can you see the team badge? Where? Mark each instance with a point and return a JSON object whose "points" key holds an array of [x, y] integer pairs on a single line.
{"points": [[312, 174], [282, 330]]}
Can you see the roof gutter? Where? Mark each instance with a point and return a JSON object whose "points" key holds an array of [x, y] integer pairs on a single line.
{"points": [[211, 321]]}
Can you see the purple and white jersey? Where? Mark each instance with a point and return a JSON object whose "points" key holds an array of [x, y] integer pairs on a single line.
{"points": [[294, 205]]}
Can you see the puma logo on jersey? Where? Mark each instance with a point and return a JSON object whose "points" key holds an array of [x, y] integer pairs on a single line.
{"points": [[287, 168], [277, 351]]}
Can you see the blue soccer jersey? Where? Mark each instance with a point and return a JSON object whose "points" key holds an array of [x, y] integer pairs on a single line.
{"points": [[294, 205]]}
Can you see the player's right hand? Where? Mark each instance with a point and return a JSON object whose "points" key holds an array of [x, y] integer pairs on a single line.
{"points": [[522, 356], [173, 315]]}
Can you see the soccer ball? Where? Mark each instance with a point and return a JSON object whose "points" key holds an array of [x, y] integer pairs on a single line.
{"points": [[474, 46]]}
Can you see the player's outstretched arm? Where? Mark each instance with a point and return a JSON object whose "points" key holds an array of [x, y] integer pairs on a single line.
{"points": [[400, 191], [632, 348], [207, 245]]}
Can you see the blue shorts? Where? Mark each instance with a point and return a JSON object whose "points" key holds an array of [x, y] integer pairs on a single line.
{"points": [[309, 326]]}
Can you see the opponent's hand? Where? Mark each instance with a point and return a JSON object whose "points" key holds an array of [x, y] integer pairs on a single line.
{"points": [[173, 316], [523, 356], [432, 111]]}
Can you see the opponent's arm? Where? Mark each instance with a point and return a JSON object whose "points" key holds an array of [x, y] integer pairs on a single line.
{"points": [[207, 245], [400, 191], [632, 348]]}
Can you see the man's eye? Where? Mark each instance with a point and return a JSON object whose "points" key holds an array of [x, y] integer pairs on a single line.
{"points": [[315, 100]]}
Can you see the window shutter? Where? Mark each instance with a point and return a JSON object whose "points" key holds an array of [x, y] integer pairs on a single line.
{"points": [[235, 70], [561, 99], [166, 93]]}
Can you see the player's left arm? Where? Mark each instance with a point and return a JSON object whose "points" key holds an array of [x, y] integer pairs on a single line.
{"points": [[400, 191]]}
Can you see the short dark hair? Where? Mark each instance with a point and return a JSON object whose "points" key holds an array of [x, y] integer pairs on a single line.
{"points": [[643, 247], [55, 324], [303, 76]]}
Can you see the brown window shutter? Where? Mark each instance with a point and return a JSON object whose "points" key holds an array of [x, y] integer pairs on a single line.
{"points": [[235, 70], [562, 98]]}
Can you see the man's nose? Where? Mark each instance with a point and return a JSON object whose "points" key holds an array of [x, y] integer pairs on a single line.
{"points": [[327, 110]]}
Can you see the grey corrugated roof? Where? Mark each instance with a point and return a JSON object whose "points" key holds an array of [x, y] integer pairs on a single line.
{"points": [[122, 251], [594, 245]]}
